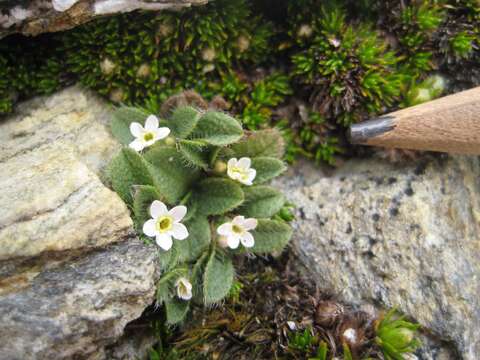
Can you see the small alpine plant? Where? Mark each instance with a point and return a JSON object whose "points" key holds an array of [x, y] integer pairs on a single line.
{"points": [[196, 184]]}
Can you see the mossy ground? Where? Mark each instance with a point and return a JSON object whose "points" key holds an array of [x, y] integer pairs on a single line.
{"points": [[274, 311], [310, 67]]}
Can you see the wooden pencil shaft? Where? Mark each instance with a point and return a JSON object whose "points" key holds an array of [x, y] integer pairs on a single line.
{"points": [[449, 124]]}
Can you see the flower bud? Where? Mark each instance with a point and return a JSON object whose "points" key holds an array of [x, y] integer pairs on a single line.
{"points": [[170, 141], [222, 241], [220, 166]]}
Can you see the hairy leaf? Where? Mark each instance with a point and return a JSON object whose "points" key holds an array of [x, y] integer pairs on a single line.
{"points": [[197, 241], [218, 278], [183, 121], [217, 128], [267, 168], [195, 153], [143, 196], [172, 177], [122, 118], [176, 309], [270, 235], [216, 196], [126, 169], [261, 201]]}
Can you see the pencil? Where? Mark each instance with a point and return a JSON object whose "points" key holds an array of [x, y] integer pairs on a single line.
{"points": [[449, 124]]}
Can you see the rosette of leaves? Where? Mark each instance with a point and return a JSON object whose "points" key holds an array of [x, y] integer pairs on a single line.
{"points": [[396, 336], [348, 70], [188, 168]]}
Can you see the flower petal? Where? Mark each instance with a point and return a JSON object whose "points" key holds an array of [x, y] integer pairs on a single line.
{"points": [[251, 174], [136, 129], [179, 231], [238, 220], [225, 229], [244, 163], [178, 212], [233, 241], [250, 224], [151, 124], [247, 240], [162, 133], [164, 241], [149, 228], [137, 145], [232, 162], [158, 209]]}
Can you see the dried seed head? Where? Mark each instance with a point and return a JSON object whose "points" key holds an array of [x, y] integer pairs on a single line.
{"points": [[117, 95], [243, 43], [107, 66], [208, 54], [328, 312], [165, 29], [351, 331], [305, 30], [143, 71]]}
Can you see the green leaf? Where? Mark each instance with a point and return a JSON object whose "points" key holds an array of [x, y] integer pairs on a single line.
{"points": [[171, 176], [270, 236], [322, 351], [197, 277], [217, 128], [195, 153], [267, 168], [122, 118], [218, 278], [143, 196], [183, 121], [216, 196], [198, 239], [166, 284], [347, 354], [268, 142], [176, 309], [261, 201], [126, 169]]}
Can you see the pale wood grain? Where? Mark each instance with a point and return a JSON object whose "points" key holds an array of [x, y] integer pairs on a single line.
{"points": [[449, 124]]}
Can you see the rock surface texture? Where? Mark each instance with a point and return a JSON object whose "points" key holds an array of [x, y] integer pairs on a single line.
{"points": [[72, 273], [406, 236], [38, 16]]}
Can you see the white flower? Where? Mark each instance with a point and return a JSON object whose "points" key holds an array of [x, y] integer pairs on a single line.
{"points": [[237, 231], [149, 135], [240, 170], [165, 224], [184, 288]]}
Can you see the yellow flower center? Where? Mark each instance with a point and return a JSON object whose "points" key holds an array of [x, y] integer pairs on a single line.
{"points": [[237, 229], [164, 223], [241, 172], [148, 136]]}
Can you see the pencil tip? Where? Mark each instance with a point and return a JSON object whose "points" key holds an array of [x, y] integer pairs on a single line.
{"points": [[362, 132]]}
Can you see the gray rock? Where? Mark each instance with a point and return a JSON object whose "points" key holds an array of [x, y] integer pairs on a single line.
{"points": [[390, 235], [72, 273], [39, 16]]}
